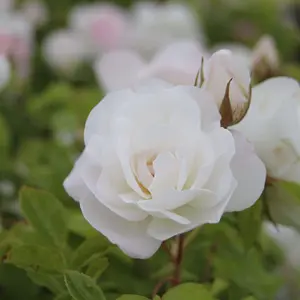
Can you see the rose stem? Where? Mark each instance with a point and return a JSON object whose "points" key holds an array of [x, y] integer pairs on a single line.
{"points": [[168, 251], [178, 260], [160, 285]]}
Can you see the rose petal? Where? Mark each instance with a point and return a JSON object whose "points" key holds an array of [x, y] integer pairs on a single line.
{"points": [[131, 237], [250, 174], [118, 69]]}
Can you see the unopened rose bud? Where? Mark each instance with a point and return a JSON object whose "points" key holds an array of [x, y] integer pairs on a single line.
{"points": [[228, 80], [265, 59]]}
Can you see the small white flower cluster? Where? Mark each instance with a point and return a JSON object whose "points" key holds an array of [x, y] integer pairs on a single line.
{"points": [[94, 29]]}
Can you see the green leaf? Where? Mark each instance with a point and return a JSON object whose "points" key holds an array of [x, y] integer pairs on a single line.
{"points": [[4, 136], [249, 224], [97, 266], [55, 283], [64, 296], [82, 287], [4, 243], [45, 213], [31, 257], [15, 285], [189, 291], [87, 249], [230, 264], [132, 297], [219, 285], [78, 225]]}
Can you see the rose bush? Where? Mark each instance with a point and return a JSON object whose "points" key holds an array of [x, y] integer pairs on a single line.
{"points": [[157, 163]]}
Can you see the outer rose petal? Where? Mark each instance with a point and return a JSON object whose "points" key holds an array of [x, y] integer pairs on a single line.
{"points": [[98, 121], [118, 69], [250, 173], [211, 118], [167, 66], [131, 237]]}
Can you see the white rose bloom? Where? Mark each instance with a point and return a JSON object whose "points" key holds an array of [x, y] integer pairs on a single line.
{"points": [[155, 25], [4, 71], [64, 50], [272, 125], [157, 164], [219, 70], [178, 63]]}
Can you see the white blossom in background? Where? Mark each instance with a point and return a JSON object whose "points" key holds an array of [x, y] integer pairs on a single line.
{"points": [[4, 71], [105, 25], [178, 63], [265, 54], [222, 67], [16, 41], [157, 163], [156, 25], [35, 12], [65, 50], [6, 5], [288, 239], [272, 124]]}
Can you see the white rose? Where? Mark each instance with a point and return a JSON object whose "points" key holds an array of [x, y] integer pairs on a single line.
{"points": [[178, 63], [4, 71], [155, 25], [157, 164], [219, 70], [64, 50], [272, 124]]}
